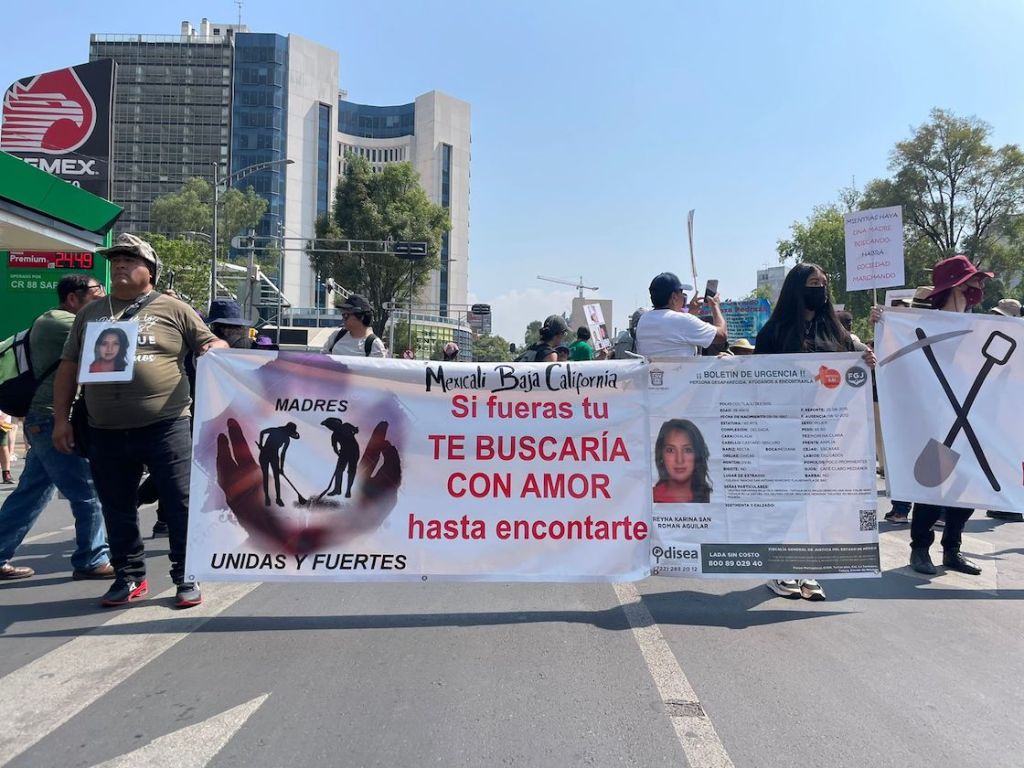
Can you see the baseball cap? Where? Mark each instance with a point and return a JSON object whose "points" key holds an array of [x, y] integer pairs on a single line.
{"points": [[356, 303], [133, 245], [666, 283], [555, 324]]}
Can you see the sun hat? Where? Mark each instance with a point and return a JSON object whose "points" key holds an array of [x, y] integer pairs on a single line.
{"points": [[954, 271]]}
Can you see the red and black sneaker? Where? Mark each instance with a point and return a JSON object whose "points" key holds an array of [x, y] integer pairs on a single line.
{"points": [[123, 591], [188, 595]]}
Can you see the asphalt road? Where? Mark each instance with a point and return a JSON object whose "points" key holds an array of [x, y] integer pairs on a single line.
{"points": [[897, 671]]}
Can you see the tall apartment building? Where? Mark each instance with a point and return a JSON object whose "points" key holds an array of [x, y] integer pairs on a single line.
{"points": [[218, 94]]}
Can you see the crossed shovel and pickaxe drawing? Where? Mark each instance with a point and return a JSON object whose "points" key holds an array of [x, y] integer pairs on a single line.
{"points": [[937, 460]]}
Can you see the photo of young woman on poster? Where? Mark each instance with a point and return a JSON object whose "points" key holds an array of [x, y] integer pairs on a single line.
{"points": [[681, 457], [109, 352]]}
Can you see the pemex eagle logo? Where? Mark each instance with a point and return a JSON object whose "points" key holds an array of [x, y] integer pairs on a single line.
{"points": [[52, 113]]}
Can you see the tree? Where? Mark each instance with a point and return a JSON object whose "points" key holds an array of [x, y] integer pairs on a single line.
{"points": [[190, 209], [490, 349], [532, 333], [763, 292], [185, 267], [957, 191], [386, 205], [821, 240]]}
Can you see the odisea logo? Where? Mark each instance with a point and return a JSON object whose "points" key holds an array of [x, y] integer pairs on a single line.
{"points": [[53, 113]]}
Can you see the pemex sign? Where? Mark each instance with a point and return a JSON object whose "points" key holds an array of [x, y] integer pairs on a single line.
{"points": [[61, 123]]}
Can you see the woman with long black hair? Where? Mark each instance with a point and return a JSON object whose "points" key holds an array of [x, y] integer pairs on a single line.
{"points": [[681, 456], [804, 320]]}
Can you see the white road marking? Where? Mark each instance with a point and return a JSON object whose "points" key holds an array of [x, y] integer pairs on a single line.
{"points": [[48, 534], [43, 695], [191, 747], [696, 734]]}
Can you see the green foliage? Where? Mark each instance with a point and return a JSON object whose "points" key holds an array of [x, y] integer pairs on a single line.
{"points": [[764, 292], [532, 333], [490, 349], [959, 195], [957, 191], [387, 205], [184, 267], [190, 209]]}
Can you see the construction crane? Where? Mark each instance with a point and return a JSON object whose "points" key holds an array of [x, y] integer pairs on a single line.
{"points": [[578, 285]]}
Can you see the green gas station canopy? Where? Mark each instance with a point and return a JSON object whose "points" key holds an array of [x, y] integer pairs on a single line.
{"points": [[40, 212]]}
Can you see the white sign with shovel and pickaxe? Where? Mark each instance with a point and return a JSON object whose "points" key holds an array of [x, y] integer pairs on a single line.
{"points": [[950, 391]]}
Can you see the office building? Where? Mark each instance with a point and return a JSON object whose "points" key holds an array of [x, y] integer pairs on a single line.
{"points": [[218, 95], [432, 133], [221, 95]]}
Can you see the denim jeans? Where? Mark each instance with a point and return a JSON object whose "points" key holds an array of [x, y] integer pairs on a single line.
{"points": [[46, 468], [118, 457]]}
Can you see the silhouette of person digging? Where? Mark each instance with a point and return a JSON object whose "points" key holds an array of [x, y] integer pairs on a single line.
{"points": [[273, 445], [346, 448]]}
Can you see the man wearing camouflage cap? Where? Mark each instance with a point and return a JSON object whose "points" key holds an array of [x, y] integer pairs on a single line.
{"points": [[141, 422]]}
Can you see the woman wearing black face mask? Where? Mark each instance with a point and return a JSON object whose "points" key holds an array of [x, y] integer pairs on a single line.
{"points": [[804, 320]]}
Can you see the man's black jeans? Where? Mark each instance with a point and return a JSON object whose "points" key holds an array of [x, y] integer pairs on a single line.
{"points": [[117, 457], [925, 515]]}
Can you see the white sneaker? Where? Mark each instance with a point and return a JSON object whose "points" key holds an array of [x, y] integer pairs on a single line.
{"points": [[788, 588], [811, 590]]}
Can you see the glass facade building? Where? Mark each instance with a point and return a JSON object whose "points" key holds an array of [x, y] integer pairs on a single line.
{"points": [[259, 120], [172, 117], [370, 122]]}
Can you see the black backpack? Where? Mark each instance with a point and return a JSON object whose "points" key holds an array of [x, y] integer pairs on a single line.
{"points": [[367, 343], [533, 353], [17, 382]]}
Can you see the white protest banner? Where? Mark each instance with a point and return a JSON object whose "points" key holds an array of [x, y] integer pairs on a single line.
{"points": [[949, 395], [874, 248], [308, 467], [763, 466]]}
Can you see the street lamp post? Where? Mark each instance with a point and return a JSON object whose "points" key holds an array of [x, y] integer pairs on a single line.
{"points": [[236, 176]]}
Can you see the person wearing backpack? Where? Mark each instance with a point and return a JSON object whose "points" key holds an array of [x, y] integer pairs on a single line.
{"points": [[552, 333], [355, 338], [46, 469]]}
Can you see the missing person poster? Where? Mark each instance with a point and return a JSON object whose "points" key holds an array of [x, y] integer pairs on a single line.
{"points": [[599, 336], [108, 351], [318, 468], [949, 395], [763, 466]]}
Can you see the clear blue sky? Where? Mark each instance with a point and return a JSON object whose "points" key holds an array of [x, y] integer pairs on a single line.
{"points": [[597, 125]]}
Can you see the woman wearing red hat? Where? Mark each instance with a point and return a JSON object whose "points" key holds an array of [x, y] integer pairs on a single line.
{"points": [[959, 286]]}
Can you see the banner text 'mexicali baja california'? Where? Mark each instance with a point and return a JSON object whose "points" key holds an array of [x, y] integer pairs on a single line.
{"points": [[319, 468]]}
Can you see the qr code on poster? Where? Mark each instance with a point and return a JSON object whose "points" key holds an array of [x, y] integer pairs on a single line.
{"points": [[868, 519]]}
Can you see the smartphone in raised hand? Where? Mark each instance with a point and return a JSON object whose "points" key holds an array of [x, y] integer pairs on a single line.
{"points": [[711, 289]]}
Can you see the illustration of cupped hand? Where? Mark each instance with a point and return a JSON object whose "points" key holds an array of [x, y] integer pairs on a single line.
{"points": [[240, 477]]}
